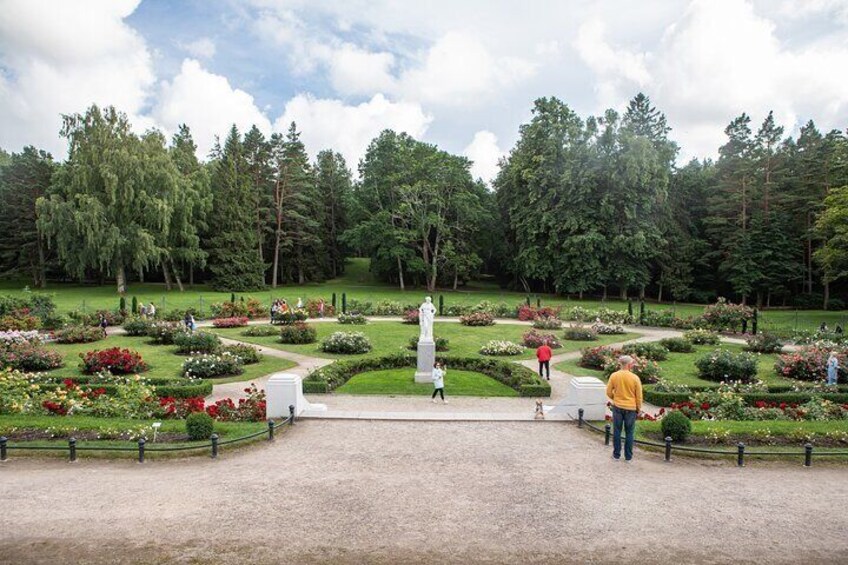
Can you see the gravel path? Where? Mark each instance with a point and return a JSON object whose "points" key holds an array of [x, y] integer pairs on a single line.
{"points": [[424, 492]]}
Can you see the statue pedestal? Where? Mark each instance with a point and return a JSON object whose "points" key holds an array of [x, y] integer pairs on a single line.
{"points": [[286, 389], [426, 360]]}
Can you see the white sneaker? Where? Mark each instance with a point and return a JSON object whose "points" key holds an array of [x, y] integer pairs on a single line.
{"points": [[434, 401], [445, 401]]}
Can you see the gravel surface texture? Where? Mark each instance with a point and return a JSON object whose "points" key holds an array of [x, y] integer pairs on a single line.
{"points": [[422, 492]]}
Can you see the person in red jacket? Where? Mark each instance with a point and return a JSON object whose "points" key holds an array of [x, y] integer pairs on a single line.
{"points": [[543, 354]]}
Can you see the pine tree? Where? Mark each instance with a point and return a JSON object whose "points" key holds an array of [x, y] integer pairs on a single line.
{"points": [[334, 187]]}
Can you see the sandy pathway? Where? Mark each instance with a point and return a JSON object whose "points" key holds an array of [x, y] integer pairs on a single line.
{"points": [[392, 492]]}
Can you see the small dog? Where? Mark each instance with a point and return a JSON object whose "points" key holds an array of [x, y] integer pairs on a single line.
{"points": [[540, 411]]}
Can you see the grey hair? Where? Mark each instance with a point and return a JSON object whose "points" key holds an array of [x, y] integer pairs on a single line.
{"points": [[625, 360]]}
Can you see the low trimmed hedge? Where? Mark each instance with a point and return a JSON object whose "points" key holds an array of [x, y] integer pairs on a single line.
{"points": [[669, 398], [518, 377], [176, 387]]}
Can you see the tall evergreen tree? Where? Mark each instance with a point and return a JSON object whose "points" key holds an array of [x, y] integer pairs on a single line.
{"points": [[233, 248], [334, 187]]}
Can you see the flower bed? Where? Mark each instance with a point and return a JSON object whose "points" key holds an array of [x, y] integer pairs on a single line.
{"points": [[579, 333], [526, 312], [501, 347], [164, 333], [289, 317], [234, 322], [727, 405], [196, 342], [547, 323], [411, 316], [809, 364], [248, 354], [137, 327], [677, 345], [29, 356], [598, 357], [724, 365], [115, 360], [261, 331], [513, 375], [349, 343], [79, 334], [702, 337], [352, 319], [724, 315], [19, 322], [314, 310], [211, 366], [601, 328], [652, 351], [298, 333], [17, 336], [477, 319], [648, 371], [535, 339], [252, 309], [763, 343]]}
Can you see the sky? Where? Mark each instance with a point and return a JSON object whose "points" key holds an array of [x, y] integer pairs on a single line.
{"points": [[462, 74]]}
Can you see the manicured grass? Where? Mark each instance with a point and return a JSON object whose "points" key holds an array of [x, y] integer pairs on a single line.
{"points": [[393, 337], [162, 360], [358, 284], [680, 367], [402, 382]]}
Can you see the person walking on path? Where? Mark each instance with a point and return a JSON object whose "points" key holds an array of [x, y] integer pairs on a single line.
{"points": [[439, 382], [624, 388], [544, 354], [832, 368], [142, 311], [103, 324], [151, 310]]}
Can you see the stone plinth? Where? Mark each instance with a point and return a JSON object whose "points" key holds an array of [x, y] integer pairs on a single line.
{"points": [[426, 360], [588, 393], [284, 390]]}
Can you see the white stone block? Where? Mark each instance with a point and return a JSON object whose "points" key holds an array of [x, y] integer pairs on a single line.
{"points": [[283, 390], [426, 360], [590, 394]]}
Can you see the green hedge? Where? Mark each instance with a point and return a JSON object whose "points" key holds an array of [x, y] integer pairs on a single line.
{"points": [[518, 377], [669, 398]]}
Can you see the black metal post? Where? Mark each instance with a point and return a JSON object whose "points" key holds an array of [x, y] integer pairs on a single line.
{"points": [[291, 414], [744, 326], [214, 446], [755, 320], [606, 434], [538, 303], [270, 430], [579, 417], [668, 449], [641, 312], [344, 303], [334, 301], [141, 443], [630, 308], [441, 305], [808, 455], [740, 454], [72, 449], [3, 441]]}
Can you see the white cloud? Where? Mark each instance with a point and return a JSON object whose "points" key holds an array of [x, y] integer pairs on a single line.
{"points": [[349, 129], [485, 153], [357, 71], [203, 48], [208, 104], [60, 58]]}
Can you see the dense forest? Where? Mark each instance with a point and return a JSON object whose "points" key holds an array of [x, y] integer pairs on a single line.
{"points": [[580, 206]]}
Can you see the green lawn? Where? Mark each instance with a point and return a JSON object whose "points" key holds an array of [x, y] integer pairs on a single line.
{"points": [[402, 382], [162, 360], [680, 367], [358, 284], [393, 337]]}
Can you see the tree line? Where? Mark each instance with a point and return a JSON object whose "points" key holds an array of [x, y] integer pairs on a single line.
{"points": [[580, 205]]}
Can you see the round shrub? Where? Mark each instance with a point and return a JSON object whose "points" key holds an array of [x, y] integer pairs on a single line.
{"points": [[260, 331], [211, 366], [298, 333], [163, 333], [724, 365], [411, 316], [579, 333], [247, 353], [442, 343], [648, 371], [346, 342], [676, 426], [352, 319], [702, 337], [79, 334], [499, 347], [136, 327], [808, 364], [764, 343], [547, 323], [477, 319], [289, 317], [197, 342], [19, 322], [199, 426], [114, 360], [29, 356], [652, 351], [677, 345], [601, 328], [535, 339]]}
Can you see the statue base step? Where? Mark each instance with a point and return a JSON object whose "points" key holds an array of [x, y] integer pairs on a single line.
{"points": [[426, 360]]}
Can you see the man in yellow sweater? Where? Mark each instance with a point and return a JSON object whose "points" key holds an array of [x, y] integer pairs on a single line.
{"points": [[624, 388]]}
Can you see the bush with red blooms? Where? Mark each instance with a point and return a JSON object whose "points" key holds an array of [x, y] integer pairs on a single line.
{"points": [[535, 339], [527, 313], [411, 316], [477, 319], [170, 407], [234, 322], [250, 409], [114, 360]]}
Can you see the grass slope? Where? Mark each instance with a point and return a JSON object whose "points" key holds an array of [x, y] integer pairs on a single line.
{"points": [[402, 382]]}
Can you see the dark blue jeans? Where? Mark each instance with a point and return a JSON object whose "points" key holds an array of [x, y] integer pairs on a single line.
{"points": [[626, 418]]}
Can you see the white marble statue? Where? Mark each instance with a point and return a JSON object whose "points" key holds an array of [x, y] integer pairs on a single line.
{"points": [[426, 314]]}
